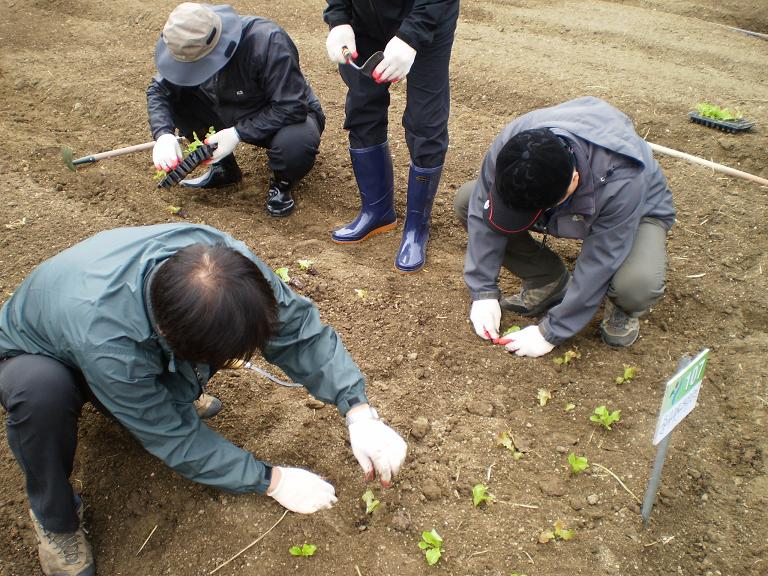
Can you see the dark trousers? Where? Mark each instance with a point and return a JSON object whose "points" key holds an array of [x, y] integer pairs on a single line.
{"points": [[44, 399], [291, 151], [428, 99]]}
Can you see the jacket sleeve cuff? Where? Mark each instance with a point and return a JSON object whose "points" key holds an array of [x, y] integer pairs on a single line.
{"points": [[486, 295], [408, 39], [338, 21], [262, 486], [349, 402], [546, 331]]}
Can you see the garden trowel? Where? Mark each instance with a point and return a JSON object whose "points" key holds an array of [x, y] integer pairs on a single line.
{"points": [[370, 64]]}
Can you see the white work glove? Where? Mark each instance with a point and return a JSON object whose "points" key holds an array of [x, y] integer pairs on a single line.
{"points": [[166, 154], [379, 449], [398, 59], [301, 491], [338, 37], [486, 318], [528, 342], [227, 141]]}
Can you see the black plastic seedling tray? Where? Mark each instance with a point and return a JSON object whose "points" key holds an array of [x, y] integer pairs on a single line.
{"points": [[189, 163], [740, 125]]}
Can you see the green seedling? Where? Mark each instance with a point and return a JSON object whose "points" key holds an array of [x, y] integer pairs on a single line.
{"points": [[716, 112], [304, 264], [177, 211], [282, 273], [360, 293], [543, 396], [432, 544], [629, 374], [517, 574], [196, 142], [604, 417], [567, 358], [506, 440], [480, 494], [570, 406], [370, 501], [303, 550], [510, 330], [578, 463], [559, 532]]}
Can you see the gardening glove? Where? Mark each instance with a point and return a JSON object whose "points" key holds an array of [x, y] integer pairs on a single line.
{"points": [[166, 154], [486, 317], [528, 342], [339, 37], [302, 491], [398, 59], [378, 449], [227, 141]]}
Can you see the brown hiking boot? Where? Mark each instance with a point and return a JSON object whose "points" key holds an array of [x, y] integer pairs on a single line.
{"points": [[536, 301], [618, 328], [207, 406], [63, 553]]}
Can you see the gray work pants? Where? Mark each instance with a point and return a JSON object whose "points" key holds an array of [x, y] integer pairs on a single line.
{"points": [[636, 285]]}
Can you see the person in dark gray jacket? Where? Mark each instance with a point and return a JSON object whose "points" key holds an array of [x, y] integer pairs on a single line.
{"points": [[136, 321], [575, 170], [240, 75]]}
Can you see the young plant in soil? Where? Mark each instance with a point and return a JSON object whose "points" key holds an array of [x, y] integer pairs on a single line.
{"points": [[578, 463], [559, 532], [510, 330], [432, 544], [605, 418], [567, 358], [714, 111], [307, 266], [506, 440], [543, 396], [480, 495], [283, 274], [627, 376], [303, 550], [361, 293], [370, 501]]}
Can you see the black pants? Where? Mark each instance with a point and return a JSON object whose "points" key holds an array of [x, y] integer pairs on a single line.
{"points": [[428, 99], [291, 151], [44, 399]]}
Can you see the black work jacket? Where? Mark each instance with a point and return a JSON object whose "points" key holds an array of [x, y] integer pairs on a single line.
{"points": [[259, 91]]}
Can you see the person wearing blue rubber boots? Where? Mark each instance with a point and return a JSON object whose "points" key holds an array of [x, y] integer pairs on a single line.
{"points": [[416, 37]]}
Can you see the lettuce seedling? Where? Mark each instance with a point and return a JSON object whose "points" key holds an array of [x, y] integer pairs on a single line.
{"points": [[510, 330], [578, 463], [604, 417], [570, 406], [304, 264], [480, 494], [543, 396], [506, 440], [559, 533], [567, 358], [432, 544], [627, 376], [282, 273], [370, 501], [716, 113], [303, 550], [360, 293]]}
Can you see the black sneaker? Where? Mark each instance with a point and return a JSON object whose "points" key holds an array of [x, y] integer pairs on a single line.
{"points": [[279, 200], [220, 174]]}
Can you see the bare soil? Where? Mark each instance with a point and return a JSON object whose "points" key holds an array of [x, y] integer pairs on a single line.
{"points": [[74, 73]]}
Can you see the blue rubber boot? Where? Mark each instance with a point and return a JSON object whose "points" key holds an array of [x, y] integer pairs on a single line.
{"points": [[422, 188], [373, 172]]}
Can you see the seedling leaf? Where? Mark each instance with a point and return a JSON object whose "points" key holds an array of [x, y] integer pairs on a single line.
{"points": [[604, 417], [282, 273], [370, 501], [304, 264], [360, 293], [506, 440], [432, 538], [578, 463], [480, 494], [433, 555], [546, 536], [510, 330], [432, 544], [716, 112], [543, 396], [569, 407], [303, 550], [567, 358], [561, 532], [627, 376]]}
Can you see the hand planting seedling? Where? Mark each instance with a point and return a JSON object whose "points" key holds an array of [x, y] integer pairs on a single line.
{"points": [[604, 417], [627, 376], [506, 440], [480, 495], [578, 463], [370, 501], [567, 358], [716, 113], [510, 330], [543, 396], [432, 544], [303, 550], [559, 532]]}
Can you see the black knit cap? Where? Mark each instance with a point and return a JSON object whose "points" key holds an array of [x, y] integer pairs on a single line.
{"points": [[533, 171]]}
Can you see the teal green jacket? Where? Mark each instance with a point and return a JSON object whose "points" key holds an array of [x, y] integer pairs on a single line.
{"points": [[89, 308]]}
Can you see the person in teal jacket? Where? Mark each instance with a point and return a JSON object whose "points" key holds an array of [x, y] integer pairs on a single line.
{"points": [[136, 320]]}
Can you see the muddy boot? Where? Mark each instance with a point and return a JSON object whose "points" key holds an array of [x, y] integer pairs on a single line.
{"points": [[422, 188], [207, 406], [279, 200], [373, 172], [536, 301], [222, 173], [618, 328], [63, 553]]}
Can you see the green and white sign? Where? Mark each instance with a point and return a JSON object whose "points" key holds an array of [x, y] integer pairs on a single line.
{"points": [[680, 395]]}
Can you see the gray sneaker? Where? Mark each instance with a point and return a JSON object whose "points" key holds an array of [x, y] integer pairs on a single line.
{"points": [[536, 301], [618, 328], [63, 553], [207, 406]]}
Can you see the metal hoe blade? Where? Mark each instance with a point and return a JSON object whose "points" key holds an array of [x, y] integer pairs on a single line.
{"points": [[368, 67]]}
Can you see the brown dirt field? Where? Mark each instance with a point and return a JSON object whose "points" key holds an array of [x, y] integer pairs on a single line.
{"points": [[74, 73]]}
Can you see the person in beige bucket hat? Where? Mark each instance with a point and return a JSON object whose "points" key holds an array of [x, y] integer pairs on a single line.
{"points": [[241, 75]]}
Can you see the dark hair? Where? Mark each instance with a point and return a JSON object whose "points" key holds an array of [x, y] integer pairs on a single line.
{"points": [[213, 305], [533, 170]]}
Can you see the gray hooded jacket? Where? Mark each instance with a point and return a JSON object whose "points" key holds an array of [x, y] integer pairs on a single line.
{"points": [[620, 183]]}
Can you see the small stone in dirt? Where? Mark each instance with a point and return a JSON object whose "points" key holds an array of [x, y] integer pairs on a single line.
{"points": [[561, 449], [593, 499], [420, 427], [398, 359], [575, 503], [431, 490], [413, 356], [420, 373], [401, 521], [314, 403], [480, 408], [553, 487]]}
